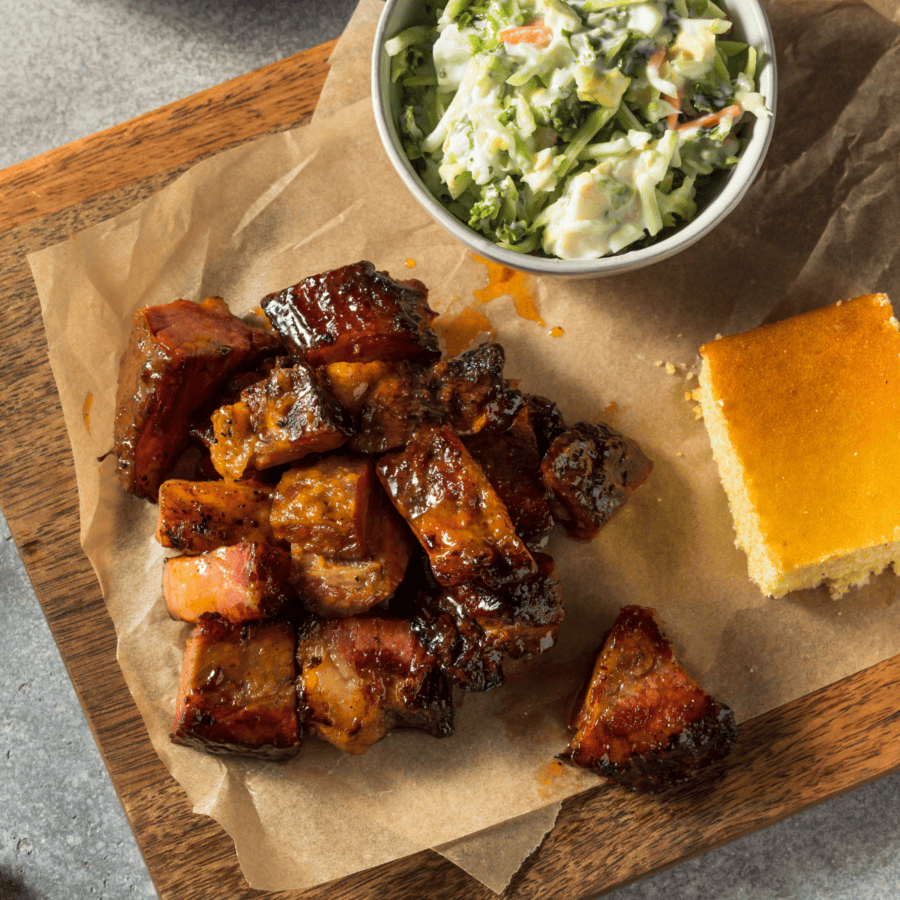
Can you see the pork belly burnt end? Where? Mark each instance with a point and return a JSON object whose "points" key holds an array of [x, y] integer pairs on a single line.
{"points": [[511, 461], [644, 722], [354, 314], [237, 692], [591, 470], [443, 494], [178, 356], [472, 392], [469, 628], [284, 417], [240, 583], [333, 588], [361, 677], [197, 516]]}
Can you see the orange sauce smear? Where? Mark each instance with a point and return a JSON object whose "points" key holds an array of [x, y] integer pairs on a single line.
{"points": [[86, 411], [460, 330], [556, 332], [503, 281]]}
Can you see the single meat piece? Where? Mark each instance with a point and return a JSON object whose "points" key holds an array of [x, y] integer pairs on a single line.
{"points": [[332, 587], [395, 407], [350, 382], [329, 506], [354, 314], [546, 419], [237, 692], [240, 583], [284, 417], [519, 619], [454, 512], [178, 356], [473, 393], [361, 677], [644, 722], [511, 462], [196, 516], [591, 470]]}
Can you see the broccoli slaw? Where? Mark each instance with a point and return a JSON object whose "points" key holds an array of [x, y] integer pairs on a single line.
{"points": [[574, 129]]}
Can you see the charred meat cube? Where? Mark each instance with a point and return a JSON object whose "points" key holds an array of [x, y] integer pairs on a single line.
{"points": [[282, 418], [458, 643], [591, 470], [196, 516], [520, 619], [546, 419], [644, 722], [511, 462], [361, 677], [354, 314], [239, 583], [454, 512], [178, 356], [237, 691], [328, 506], [333, 588], [473, 393], [395, 407]]}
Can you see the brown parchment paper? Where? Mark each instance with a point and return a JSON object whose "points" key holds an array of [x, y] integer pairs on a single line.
{"points": [[819, 225]]}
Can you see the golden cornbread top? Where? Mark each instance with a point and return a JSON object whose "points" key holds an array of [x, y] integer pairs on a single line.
{"points": [[812, 406]]}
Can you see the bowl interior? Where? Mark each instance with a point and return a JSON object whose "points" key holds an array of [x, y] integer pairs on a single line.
{"points": [[718, 200]]}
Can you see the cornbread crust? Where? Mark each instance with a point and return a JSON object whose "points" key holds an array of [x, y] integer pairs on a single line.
{"points": [[804, 420]]}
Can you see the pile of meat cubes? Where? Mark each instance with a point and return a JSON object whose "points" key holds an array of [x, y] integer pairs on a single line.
{"points": [[360, 522]]}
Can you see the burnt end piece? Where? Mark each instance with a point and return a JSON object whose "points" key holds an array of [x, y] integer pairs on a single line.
{"points": [[590, 471], [178, 356], [240, 583], [237, 692], [469, 628], [354, 314], [644, 722], [511, 462], [445, 497], [361, 677], [197, 516]]}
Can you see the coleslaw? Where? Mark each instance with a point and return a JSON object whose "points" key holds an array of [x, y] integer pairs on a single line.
{"points": [[573, 129]]}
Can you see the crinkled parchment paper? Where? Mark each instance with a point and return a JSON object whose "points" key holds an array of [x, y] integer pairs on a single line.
{"points": [[819, 225]]}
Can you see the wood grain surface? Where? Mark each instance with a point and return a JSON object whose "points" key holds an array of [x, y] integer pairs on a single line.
{"points": [[804, 753]]}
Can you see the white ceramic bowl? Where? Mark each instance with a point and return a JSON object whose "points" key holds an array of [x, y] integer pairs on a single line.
{"points": [[751, 26]]}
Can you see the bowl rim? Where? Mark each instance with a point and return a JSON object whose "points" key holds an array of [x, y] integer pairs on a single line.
{"points": [[736, 185]]}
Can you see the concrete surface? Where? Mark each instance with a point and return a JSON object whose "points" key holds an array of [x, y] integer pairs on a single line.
{"points": [[72, 67]]}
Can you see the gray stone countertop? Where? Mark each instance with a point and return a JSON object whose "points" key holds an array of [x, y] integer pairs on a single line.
{"points": [[69, 68]]}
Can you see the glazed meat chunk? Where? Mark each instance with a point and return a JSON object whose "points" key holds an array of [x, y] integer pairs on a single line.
{"points": [[177, 358], [239, 583], [354, 314], [644, 722], [472, 392], [333, 587], [591, 470], [511, 462], [237, 692], [454, 512], [282, 418], [328, 506], [197, 516], [361, 677]]}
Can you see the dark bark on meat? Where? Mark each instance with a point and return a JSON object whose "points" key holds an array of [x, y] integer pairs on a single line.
{"points": [[237, 692], [178, 356], [591, 470], [354, 314], [644, 722]]}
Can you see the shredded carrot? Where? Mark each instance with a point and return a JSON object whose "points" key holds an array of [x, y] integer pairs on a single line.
{"points": [[535, 32], [658, 57], [672, 118], [707, 121]]}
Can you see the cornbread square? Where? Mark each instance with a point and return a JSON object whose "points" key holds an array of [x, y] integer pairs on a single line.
{"points": [[804, 420]]}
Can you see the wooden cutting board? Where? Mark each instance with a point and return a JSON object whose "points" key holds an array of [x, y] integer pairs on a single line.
{"points": [[804, 753]]}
